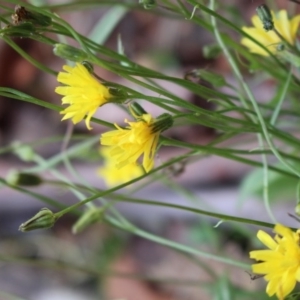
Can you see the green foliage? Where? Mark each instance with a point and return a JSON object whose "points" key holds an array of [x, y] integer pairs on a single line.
{"points": [[280, 187], [260, 133]]}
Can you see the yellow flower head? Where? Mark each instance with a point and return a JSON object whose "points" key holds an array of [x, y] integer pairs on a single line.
{"points": [[114, 176], [281, 262], [82, 92], [127, 145], [286, 28]]}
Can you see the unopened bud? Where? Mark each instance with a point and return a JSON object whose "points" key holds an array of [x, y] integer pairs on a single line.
{"points": [[45, 218], [22, 14], [136, 110], [290, 57], [297, 209], [70, 53], [148, 4], [88, 218], [280, 47], [26, 179], [21, 30], [24, 152], [265, 16], [211, 51]]}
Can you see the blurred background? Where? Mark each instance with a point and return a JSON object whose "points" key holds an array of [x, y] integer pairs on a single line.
{"points": [[55, 264]]}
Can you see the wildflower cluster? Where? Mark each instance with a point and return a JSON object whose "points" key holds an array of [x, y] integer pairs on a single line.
{"points": [[85, 94], [129, 149], [280, 263]]}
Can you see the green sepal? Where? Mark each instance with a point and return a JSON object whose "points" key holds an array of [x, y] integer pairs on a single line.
{"points": [[137, 110], [265, 16], [88, 218], [148, 4], [70, 53], [162, 123], [22, 30], [24, 179], [45, 218]]}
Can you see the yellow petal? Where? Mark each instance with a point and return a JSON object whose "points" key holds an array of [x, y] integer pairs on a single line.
{"points": [[285, 27], [266, 240], [82, 92]]}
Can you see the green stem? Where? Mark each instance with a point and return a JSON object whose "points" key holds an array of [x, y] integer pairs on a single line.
{"points": [[62, 266], [27, 56], [176, 246], [281, 99], [195, 210], [251, 98]]}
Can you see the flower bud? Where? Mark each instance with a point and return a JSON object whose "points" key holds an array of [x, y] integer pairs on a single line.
{"points": [[280, 47], [18, 178], [265, 16], [88, 66], [211, 51], [45, 218], [88, 218], [148, 4], [70, 53], [24, 152], [297, 209], [290, 57], [21, 30], [136, 110], [118, 94], [22, 14], [162, 123]]}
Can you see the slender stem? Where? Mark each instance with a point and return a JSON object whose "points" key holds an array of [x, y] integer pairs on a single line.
{"points": [[251, 98], [173, 245]]}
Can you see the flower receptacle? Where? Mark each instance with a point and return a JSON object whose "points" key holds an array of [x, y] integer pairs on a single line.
{"points": [[162, 123]]}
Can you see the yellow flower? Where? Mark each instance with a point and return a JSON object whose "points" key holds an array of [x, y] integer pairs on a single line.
{"points": [[82, 92], [127, 145], [286, 28], [281, 262], [114, 176]]}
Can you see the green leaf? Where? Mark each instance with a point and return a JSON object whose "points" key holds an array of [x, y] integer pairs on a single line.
{"points": [[211, 51], [214, 79], [280, 187]]}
